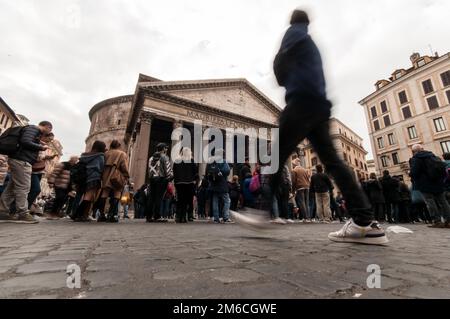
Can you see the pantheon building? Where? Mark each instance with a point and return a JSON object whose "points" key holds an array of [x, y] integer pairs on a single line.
{"points": [[148, 117]]}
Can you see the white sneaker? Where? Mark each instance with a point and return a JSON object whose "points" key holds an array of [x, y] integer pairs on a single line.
{"points": [[290, 221], [352, 233], [279, 221]]}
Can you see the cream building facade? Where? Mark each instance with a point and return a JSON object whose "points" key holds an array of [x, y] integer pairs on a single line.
{"points": [[147, 117], [349, 146], [412, 107]]}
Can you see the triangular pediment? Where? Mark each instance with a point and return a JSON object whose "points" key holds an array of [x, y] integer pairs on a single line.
{"points": [[235, 96]]}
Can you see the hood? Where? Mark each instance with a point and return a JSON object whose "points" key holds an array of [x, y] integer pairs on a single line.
{"points": [[423, 154], [296, 33], [89, 157]]}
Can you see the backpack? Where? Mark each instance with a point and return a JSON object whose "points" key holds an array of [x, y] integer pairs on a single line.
{"points": [[154, 166], [78, 174], [214, 174], [255, 184], [10, 140], [435, 169]]}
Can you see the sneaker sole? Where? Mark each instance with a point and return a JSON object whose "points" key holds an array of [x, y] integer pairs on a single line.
{"points": [[23, 222], [380, 241]]}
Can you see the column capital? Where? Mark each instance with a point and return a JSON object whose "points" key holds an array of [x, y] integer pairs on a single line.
{"points": [[146, 117]]}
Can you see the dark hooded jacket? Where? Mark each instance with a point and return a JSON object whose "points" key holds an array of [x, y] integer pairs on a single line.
{"points": [[419, 177], [29, 145], [95, 163], [391, 189], [375, 191], [298, 64]]}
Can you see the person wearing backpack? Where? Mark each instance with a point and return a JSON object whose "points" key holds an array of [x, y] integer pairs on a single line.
{"points": [[60, 181], [218, 171], [114, 178], [160, 173], [22, 146], [428, 175], [87, 175]]}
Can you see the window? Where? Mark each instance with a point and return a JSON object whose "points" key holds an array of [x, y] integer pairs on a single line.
{"points": [[387, 121], [384, 108], [432, 102], [376, 125], [373, 111], [406, 112], [384, 161], [345, 157], [356, 162], [391, 139], [3, 118], [395, 159], [402, 97], [380, 142], [427, 86], [448, 96], [314, 161], [445, 78], [412, 132], [439, 124], [118, 122], [445, 146]]}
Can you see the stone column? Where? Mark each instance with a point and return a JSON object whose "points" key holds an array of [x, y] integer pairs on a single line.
{"points": [[140, 150], [202, 165]]}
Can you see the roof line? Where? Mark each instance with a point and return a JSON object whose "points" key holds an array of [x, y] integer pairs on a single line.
{"points": [[10, 110]]}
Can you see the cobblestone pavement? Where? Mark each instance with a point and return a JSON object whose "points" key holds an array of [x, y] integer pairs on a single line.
{"points": [[201, 260]]}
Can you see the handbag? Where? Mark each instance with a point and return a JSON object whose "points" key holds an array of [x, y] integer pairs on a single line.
{"points": [[117, 179]]}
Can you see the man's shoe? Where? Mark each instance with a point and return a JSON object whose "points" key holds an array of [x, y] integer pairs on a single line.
{"points": [[290, 221], [7, 218], [228, 221], [251, 221], [26, 218], [279, 221], [437, 225], [353, 233], [102, 218]]}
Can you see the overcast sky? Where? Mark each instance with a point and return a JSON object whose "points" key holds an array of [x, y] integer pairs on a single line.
{"points": [[60, 57]]}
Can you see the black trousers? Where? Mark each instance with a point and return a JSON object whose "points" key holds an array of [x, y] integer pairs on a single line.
{"points": [[158, 187], [308, 117], [60, 200], [185, 198]]}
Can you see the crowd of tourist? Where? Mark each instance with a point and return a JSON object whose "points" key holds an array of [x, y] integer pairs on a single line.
{"points": [[96, 186]]}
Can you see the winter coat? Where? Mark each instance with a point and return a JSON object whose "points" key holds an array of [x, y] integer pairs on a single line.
{"points": [[60, 177], [114, 159], [301, 178], [375, 191], [29, 145], [321, 183], [391, 189], [245, 170], [217, 176], [405, 193], [248, 195], [95, 163], [165, 166], [234, 190], [419, 177], [447, 180], [185, 172], [298, 64]]}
